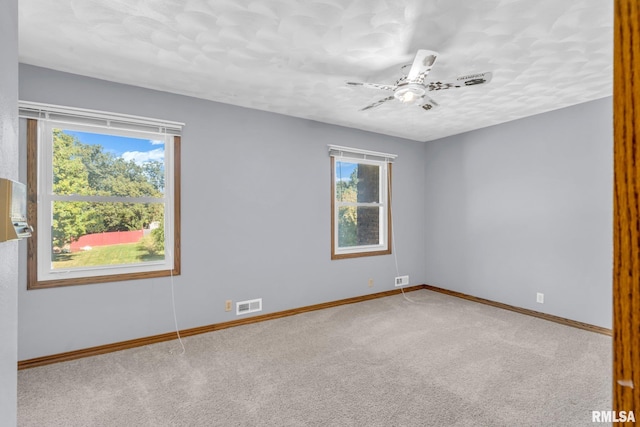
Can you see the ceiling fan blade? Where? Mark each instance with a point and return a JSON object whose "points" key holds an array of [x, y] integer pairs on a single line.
{"points": [[422, 64], [428, 103], [377, 103], [475, 79], [373, 85], [468, 80]]}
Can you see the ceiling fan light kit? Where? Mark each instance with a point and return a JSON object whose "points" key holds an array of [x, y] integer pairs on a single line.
{"points": [[412, 89], [409, 93]]}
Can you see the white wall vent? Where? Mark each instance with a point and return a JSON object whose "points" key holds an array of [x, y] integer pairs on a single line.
{"points": [[250, 306]]}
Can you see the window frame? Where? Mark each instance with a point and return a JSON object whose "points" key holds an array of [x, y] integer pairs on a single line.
{"points": [[35, 280], [385, 181]]}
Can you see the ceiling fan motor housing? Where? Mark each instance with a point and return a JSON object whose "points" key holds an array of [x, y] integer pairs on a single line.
{"points": [[409, 92]]}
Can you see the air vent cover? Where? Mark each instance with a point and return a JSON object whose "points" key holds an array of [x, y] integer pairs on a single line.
{"points": [[250, 306]]}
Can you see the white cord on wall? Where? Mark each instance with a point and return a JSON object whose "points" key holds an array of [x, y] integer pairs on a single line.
{"points": [[170, 253], [175, 316], [393, 239]]}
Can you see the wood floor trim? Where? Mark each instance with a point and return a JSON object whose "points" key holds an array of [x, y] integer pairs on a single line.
{"points": [[545, 316], [139, 342]]}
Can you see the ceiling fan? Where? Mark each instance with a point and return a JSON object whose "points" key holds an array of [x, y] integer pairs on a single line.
{"points": [[412, 88]]}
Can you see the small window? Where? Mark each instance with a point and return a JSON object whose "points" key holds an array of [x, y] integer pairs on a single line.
{"points": [[361, 210], [107, 201]]}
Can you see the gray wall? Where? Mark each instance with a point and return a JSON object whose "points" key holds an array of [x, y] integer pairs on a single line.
{"points": [[255, 221], [499, 213], [8, 250], [526, 207]]}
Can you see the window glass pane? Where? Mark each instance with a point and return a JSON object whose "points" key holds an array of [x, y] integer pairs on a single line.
{"points": [[346, 181], [89, 234], [358, 226], [368, 183], [347, 227], [368, 225], [86, 163], [357, 182]]}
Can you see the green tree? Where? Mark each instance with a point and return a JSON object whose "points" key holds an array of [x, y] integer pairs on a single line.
{"points": [[158, 239], [69, 177], [86, 169], [154, 171], [347, 191]]}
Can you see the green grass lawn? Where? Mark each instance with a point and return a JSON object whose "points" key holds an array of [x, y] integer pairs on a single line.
{"points": [[126, 253]]}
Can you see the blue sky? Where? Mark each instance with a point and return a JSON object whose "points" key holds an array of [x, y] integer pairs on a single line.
{"points": [[344, 170], [136, 149]]}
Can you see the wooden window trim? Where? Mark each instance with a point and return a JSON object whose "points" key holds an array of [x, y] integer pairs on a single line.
{"points": [[32, 216], [387, 251]]}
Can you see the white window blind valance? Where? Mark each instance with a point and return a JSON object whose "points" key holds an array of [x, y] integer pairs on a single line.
{"points": [[360, 154], [39, 111]]}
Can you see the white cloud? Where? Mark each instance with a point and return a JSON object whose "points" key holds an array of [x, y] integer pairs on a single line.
{"points": [[140, 157], [156, 142]]}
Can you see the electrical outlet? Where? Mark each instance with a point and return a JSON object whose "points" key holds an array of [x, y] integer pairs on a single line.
{"points": [[402, 281], [540, 298], [370, 283], [227, 305]]}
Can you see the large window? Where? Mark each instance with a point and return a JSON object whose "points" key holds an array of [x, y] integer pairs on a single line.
{"points": [[103, 195], [360, 198]]}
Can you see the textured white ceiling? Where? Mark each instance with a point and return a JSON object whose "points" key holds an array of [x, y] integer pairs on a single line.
{"points": [[293, 57]]}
